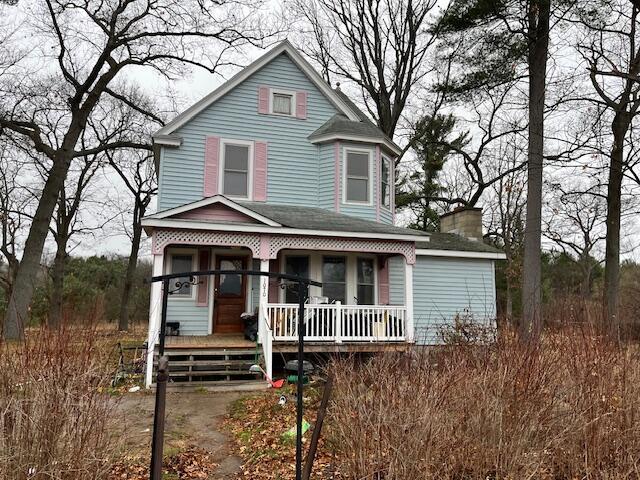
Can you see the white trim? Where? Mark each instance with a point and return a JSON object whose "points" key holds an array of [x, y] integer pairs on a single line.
{"points": [[168, 269], [284, 47], [167, 140], [459, 254], [371, 154], [149, 222], [282, 91], [155, 311], [390, 185], [408, 302], [239, 143], [329, 137], [211, 201]]}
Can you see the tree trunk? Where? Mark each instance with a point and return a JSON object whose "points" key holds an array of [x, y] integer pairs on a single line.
{"points": [[123, 320], [29, 269], [611, 318], [531, 325], [56, 299]]}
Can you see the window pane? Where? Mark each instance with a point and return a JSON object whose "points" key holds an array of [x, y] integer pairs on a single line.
{"points": [[181, 263], [334, 278], [295, 266], [335, 292], [230, 284], [236, 157], [365, 295], [334, 269], [357, 164], [365, 270], [357, 190], [282, 103], [235, 183], [386, 181]]}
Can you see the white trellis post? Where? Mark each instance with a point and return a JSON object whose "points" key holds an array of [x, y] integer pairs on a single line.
{"points": [[154, 317]]}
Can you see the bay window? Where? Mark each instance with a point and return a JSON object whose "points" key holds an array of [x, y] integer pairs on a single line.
{"points": [[385, 182], [334, 278], [366, 281]]}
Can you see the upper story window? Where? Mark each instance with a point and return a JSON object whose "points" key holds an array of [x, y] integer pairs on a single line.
{"points": [[236, 167], [282, 102], [357, 169], [385, 182]]}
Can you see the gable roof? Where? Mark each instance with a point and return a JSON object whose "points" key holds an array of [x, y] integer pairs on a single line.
{"points": [[283, 47]]}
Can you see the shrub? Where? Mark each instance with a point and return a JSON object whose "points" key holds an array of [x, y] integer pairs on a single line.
{"points": [[54, 420], [567, 408]]}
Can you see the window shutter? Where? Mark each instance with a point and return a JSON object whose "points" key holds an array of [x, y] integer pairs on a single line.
{"points": [[263, 100], [301, 105], [203, 282], [383, 282], [211, 166], [260, 172], [274, 283]]}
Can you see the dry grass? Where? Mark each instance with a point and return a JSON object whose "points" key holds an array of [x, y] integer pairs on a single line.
{"points": [[567, 409], [54, 415]]}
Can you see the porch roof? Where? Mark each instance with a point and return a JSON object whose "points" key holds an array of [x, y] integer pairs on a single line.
{"points": [[455, 242], [312, 218]]}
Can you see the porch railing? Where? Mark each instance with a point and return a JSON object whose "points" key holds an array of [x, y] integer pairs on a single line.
{"points": [[338, 323]]}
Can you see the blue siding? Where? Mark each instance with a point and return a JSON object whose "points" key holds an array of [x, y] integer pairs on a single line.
{"points": [[446, 287], [193, 320], [326, 181], [293, 165]]}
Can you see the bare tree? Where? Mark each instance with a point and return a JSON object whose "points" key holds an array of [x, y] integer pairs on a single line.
{"points": [[576, 223], [611, 53], [136, 171], [94, 45], [382, 46], [506, 212]]}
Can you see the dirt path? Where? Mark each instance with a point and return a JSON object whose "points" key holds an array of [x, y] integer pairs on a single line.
{"points": [[193, 419]]}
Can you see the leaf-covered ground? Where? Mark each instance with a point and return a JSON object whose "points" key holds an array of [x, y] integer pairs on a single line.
{"points": [[258, 424]]}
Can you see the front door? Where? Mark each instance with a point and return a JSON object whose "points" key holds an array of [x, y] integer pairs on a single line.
{"points": [[229, 296]]}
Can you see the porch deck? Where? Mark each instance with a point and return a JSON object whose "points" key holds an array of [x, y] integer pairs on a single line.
{"points": [[218, 341]]}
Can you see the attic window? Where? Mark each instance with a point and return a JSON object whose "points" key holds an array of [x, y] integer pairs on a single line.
{"points": [[357, 173], [282, 102]]}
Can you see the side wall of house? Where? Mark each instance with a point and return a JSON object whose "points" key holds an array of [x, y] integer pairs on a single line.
{"points": [[292, 165], [444, 288]]}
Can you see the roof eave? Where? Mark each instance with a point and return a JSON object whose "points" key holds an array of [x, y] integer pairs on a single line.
{"points": [[391, 146]]}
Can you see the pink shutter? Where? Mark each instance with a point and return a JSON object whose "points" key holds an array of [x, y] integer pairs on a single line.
{"points": [[211, 166], [203, 282], [301, 105], [274, 283], [383, 282], [263, 100], [260, 172]]}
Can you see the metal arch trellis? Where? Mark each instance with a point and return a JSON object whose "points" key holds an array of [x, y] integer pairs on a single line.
{"points": [[161, 376]]}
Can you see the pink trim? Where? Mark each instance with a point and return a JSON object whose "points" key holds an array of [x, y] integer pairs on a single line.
{"points": [[336, 176], [392, 247], [301, 105], [211, 165], [203, 282], [215, 213], [378, 183], [263, 100], [265, 243], [260, 172], [383, 282], [166, 237]]}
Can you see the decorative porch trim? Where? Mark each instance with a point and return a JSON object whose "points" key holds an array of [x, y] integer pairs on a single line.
{"points": [[164, 238], [407, 249]]}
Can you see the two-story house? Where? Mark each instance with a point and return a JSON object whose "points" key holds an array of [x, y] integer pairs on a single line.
{"points": [[277, 171]]}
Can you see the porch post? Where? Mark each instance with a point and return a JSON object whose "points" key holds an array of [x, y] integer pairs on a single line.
{"points": [[408, 302], [263, 321], [155, 307]]}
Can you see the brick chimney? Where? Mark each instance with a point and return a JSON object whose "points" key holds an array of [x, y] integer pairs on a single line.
{"points": [[465, 221]]}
